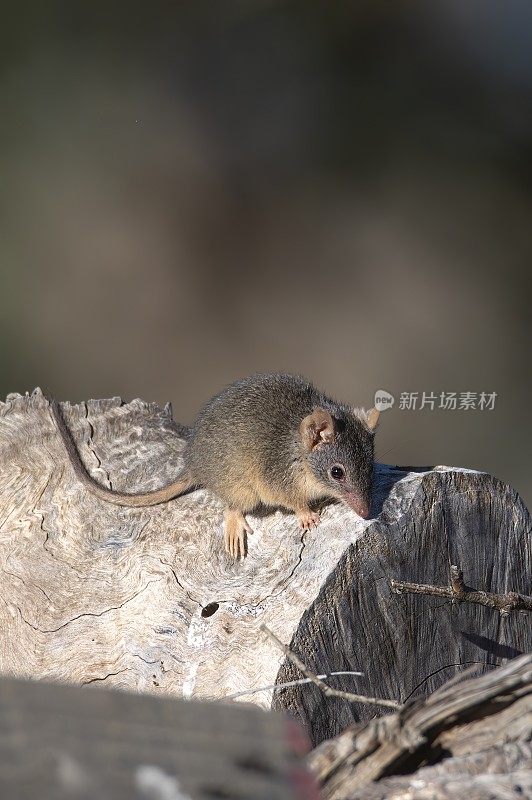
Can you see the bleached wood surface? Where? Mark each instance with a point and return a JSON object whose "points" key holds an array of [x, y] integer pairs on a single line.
{"points": [[92, 592]]}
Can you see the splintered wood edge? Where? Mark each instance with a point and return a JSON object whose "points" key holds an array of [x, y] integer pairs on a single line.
{"points": [[16, 401]]}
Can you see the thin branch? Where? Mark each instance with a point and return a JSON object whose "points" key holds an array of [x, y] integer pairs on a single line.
{"points": [[277, 686], [327, 690], [458, 591]]}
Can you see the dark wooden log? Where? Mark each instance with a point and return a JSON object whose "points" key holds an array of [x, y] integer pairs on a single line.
{"points": [[408, 645], [63, 742], [147, 599], [474, 733]]}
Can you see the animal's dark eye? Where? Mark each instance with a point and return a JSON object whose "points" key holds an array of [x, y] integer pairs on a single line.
{"points": [[337, 472]]}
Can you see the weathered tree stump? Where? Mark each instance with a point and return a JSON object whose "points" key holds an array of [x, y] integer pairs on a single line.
{"points": [[147, 599]]}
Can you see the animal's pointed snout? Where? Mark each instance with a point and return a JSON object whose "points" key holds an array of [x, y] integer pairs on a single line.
{"points": [[361, 507]]}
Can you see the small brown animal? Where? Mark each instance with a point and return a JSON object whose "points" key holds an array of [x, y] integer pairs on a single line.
{"points": [[270, 439]]}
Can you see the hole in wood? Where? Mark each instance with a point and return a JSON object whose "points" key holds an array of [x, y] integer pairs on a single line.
{"points": [[210, 609]]}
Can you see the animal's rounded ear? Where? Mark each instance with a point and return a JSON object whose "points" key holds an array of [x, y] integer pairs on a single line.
{"points": [[316, 428], [372, 418]]}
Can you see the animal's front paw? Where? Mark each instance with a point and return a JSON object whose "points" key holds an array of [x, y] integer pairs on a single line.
{"points": [[236, 529], [307, 519]]}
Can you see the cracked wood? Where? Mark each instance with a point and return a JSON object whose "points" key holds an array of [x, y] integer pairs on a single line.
{"points": [[96, 593]]}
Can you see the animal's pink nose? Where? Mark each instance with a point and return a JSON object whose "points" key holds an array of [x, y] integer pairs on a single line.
{"points": [[360, 506]]}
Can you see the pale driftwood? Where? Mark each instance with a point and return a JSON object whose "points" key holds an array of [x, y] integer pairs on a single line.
{"points": [[475, 733], [70, 743], [429, 785], [147, 599]]}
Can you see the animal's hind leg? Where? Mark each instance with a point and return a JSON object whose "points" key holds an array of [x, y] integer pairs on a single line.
{"points": [[235, 532]]}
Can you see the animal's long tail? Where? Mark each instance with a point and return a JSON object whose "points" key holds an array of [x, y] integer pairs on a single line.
{"points": [[152, 498]]}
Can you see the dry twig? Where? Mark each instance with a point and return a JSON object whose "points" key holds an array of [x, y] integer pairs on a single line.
{"points": [[327, 690], [458, 591]]}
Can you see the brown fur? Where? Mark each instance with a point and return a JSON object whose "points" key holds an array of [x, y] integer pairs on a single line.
{"points": [[269, 439]]}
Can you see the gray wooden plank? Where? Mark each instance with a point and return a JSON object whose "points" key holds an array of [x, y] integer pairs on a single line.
{"points": [[64, 742]]}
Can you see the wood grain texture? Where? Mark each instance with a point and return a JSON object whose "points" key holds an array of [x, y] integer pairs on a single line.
{"points": [[474, 733], [408, 645], [95, 593]]}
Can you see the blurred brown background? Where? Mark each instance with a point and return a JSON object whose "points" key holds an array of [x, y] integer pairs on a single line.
{"points": [[191, 192]]}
